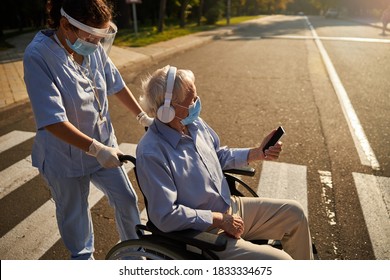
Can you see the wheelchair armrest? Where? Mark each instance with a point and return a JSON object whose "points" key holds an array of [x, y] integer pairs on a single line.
{"points": [[200, 239], [246, 171]]}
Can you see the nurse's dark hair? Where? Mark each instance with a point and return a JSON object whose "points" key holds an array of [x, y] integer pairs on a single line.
{"points": [[94, 13]]}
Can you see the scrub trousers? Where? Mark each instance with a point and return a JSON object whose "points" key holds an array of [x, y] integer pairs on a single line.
{"points": [[73, 213], [266, 218]]}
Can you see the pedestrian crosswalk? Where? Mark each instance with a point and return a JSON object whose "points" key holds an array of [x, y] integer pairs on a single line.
{"points": [[37, 233]]}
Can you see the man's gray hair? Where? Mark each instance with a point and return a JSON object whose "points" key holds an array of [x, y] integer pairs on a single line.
{"points": [[154, 87]]}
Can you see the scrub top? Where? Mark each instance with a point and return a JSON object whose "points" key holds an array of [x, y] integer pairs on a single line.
{"points": [[61, 90]]}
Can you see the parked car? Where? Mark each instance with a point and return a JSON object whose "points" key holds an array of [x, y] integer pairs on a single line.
{"points": [[332, 13]]}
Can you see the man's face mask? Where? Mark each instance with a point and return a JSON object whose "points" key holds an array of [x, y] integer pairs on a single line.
{"points": [[193, 112]]}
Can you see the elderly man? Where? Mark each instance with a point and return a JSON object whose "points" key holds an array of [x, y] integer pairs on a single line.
{"points": [[179, 166]]}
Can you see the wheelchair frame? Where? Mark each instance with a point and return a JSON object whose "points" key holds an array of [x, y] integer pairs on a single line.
{"points": [[181, 245]]}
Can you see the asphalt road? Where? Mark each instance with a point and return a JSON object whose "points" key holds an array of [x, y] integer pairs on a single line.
{"points": [[267, 74]]}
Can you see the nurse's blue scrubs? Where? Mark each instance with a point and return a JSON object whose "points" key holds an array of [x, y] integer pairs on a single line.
{"points": [[61, 90]]}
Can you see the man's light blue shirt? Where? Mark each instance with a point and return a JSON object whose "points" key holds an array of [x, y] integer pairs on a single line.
{"points": [[181, 176], [59, 92]]}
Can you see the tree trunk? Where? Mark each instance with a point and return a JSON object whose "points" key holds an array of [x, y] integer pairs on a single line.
{"points": [[200, 12], [161, 16], [183, 8]]}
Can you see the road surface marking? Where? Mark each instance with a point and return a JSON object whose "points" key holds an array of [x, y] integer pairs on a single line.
{"points": [[16, 175], [327, 186], [324, 38], [284, 180], [365, 152], [35, 235], [13, 139], [21, 172], [326, 190], [374, 197]]}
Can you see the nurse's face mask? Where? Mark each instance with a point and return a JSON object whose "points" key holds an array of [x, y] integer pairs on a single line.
{"points": [[89, 39]]}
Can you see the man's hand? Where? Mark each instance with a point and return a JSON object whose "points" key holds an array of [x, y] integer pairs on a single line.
{"points": [[272, 153], [233, 225]]}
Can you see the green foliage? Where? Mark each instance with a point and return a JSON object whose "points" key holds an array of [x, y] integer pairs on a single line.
{"points": [[21, 14], [150, 35], [214, 11]]}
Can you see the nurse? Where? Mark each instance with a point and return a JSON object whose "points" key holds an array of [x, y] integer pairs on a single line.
{"points": [[68, 76]]}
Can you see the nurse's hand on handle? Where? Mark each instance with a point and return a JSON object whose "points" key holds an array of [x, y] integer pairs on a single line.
{"points": [[144, 119], [106, 156]]}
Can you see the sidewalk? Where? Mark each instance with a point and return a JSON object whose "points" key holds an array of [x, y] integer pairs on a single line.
{"points": [[129, 60]]}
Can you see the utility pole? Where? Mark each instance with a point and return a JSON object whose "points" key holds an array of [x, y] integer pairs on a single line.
{"points": [[133, 3]]}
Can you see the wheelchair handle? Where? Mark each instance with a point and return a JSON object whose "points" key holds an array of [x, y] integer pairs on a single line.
{"points": [[123, 158]]}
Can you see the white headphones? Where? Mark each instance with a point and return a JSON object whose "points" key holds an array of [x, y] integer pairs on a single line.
{"points": [[166, 112]]}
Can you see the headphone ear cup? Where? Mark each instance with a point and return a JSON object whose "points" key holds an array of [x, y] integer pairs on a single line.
{"points": [[166, 114]]}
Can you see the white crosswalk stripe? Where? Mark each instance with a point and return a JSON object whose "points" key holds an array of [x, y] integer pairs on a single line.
{"points": [[283, 180], [14, 138], [20, 172], [36, 234], [16, 175], [374, 196]]}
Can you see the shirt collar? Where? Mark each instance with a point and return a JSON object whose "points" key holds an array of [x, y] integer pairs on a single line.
{"points": [[171, 135], [45, 37]]}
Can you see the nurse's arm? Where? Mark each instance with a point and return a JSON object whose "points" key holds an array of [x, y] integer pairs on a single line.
{"points": [[128, 99], [70, 134]]}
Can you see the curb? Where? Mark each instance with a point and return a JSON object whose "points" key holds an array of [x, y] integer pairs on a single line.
{"points": [[129, 61], [153, 54]]}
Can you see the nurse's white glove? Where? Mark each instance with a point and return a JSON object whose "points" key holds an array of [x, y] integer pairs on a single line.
{"points": [[144, 119], [106, 156]]}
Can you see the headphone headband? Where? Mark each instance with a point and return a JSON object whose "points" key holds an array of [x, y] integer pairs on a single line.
{"points": [[171, 79]]}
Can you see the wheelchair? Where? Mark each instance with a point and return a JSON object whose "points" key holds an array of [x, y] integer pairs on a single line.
{"points": [[154, 244]]}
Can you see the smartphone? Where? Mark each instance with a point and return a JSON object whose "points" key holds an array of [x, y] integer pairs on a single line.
{"points": [[275, 138]]}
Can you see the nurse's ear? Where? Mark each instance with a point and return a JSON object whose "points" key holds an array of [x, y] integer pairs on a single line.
{"points": [[65, 25]]}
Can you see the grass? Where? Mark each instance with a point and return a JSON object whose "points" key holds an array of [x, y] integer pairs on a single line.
{"points": [[146, 34], [149, 35]]}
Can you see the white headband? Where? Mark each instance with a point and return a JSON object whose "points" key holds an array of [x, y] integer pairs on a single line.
{"points": [[105, 32]]}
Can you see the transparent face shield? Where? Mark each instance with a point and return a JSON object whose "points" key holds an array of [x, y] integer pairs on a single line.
{"points": [[102, 37], [90, 42]]}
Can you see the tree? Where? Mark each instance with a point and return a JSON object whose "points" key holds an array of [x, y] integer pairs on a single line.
{"points": [[213, 10], [200, 12], [302, 6], [123, 13], [161, 16], [183, 12]]}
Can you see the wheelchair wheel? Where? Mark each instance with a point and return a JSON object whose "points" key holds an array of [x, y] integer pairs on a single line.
{"points": [[138, 249]]}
